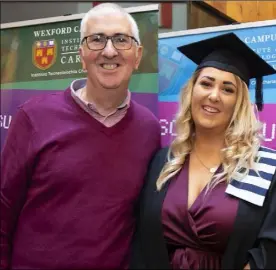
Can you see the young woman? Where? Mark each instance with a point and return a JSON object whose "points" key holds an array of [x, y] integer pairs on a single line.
{"points": [[209, 200]]}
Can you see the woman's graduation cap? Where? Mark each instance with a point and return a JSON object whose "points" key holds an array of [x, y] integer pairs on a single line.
{"points": [[228, 53]]}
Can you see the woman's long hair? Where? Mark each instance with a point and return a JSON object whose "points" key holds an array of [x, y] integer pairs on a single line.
{"points": [[242, 137]]}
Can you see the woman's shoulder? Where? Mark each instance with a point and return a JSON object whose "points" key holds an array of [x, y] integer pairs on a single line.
{"points": [[160, 157], [156, 165]]}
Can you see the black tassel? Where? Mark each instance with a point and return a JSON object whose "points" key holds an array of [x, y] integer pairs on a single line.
{"points": [[259, 93]]}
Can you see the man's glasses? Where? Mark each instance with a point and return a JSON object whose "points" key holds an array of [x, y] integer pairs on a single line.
{"points": [[98, 41]]}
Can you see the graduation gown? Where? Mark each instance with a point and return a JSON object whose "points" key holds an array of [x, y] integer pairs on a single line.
{"points": [[253, 238]]}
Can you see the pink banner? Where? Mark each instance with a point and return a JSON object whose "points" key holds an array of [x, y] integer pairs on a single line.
{"points": [[167, 111]]}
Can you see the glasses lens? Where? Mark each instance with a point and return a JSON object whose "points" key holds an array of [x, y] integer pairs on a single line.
{"points": [[122, 42], [96, 42]]}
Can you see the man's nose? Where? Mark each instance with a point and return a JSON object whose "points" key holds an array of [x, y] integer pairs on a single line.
{"points": [[109, 50]]}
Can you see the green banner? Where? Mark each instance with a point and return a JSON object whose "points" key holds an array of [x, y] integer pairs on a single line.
{"points": [[51, 51]]}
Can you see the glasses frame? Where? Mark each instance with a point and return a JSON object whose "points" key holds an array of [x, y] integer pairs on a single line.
{"points": [[106, 40]]}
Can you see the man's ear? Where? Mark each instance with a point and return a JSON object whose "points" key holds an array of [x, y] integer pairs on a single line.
{"points": [[81, 57], [139, 54]]}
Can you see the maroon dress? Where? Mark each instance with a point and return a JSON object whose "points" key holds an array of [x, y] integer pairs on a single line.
{"points": [[196, 238]]}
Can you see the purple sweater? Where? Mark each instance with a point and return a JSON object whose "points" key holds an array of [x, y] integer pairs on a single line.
{"points": [[69, 185]]}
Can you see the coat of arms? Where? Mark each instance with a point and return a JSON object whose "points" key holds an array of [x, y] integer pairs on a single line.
{"points": [[44, 53]]}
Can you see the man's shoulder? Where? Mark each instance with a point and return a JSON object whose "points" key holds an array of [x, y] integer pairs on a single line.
{"points": [[42, 101], [144, 113]]}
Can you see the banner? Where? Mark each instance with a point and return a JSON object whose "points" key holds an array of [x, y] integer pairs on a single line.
{"points": [[25, 71], [175, 69], [42, 58]]}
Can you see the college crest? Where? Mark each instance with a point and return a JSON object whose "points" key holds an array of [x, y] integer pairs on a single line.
{"points": [[44, 53]]}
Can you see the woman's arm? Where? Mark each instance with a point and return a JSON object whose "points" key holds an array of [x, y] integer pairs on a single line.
{"points": [[137, 258], [264, 255]]}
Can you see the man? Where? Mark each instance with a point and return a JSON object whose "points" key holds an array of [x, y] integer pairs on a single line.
{"points": [[74, 162]]}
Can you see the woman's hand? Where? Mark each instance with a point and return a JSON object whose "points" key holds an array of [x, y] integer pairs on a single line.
{"points": [[247, 267]]}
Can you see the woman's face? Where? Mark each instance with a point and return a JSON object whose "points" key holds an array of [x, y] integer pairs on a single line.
{"points": [[213, 99]]}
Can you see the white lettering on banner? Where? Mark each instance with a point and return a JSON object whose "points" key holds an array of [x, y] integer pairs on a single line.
{"points": [[70, 59], [253, 82], [267, 53], [56, 31], [63, 72], [70, 41], [260, 39], [57, 73], [164, 129], [82, 71], [269, 57], [5, 121], [77, 29], [269, 139], [70, 51], [40, 74], [71, 48], [168, 129], [262, 50]]}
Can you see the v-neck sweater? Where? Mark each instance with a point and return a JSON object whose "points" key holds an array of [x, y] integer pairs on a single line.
{"points": [[69, 185]]}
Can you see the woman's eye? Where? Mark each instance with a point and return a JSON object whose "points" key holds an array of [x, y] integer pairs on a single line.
{"points": [[229, 90], [205, 84]]}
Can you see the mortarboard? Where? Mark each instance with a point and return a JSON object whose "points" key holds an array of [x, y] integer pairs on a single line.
{"points": [[229, 53]]}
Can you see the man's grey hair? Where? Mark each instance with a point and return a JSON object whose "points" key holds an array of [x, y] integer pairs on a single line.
{"points": [[108, 9]]}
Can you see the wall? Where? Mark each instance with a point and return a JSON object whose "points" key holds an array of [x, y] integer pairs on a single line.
{"points": [[178, 14], [203, 16], [179, 18], [20, 11], [246, 11]]}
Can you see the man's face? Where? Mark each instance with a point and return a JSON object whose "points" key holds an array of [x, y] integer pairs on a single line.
{"points": [[110, 68]]}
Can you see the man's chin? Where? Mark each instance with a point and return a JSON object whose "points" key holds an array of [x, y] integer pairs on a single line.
{"points": [[111, 86]]}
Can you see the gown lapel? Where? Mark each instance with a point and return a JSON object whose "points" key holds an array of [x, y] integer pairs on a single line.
{"points": [[153, 240]]}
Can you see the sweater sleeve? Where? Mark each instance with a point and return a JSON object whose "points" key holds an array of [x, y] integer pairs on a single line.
{"points": [[15, 174], [263, 256]]}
